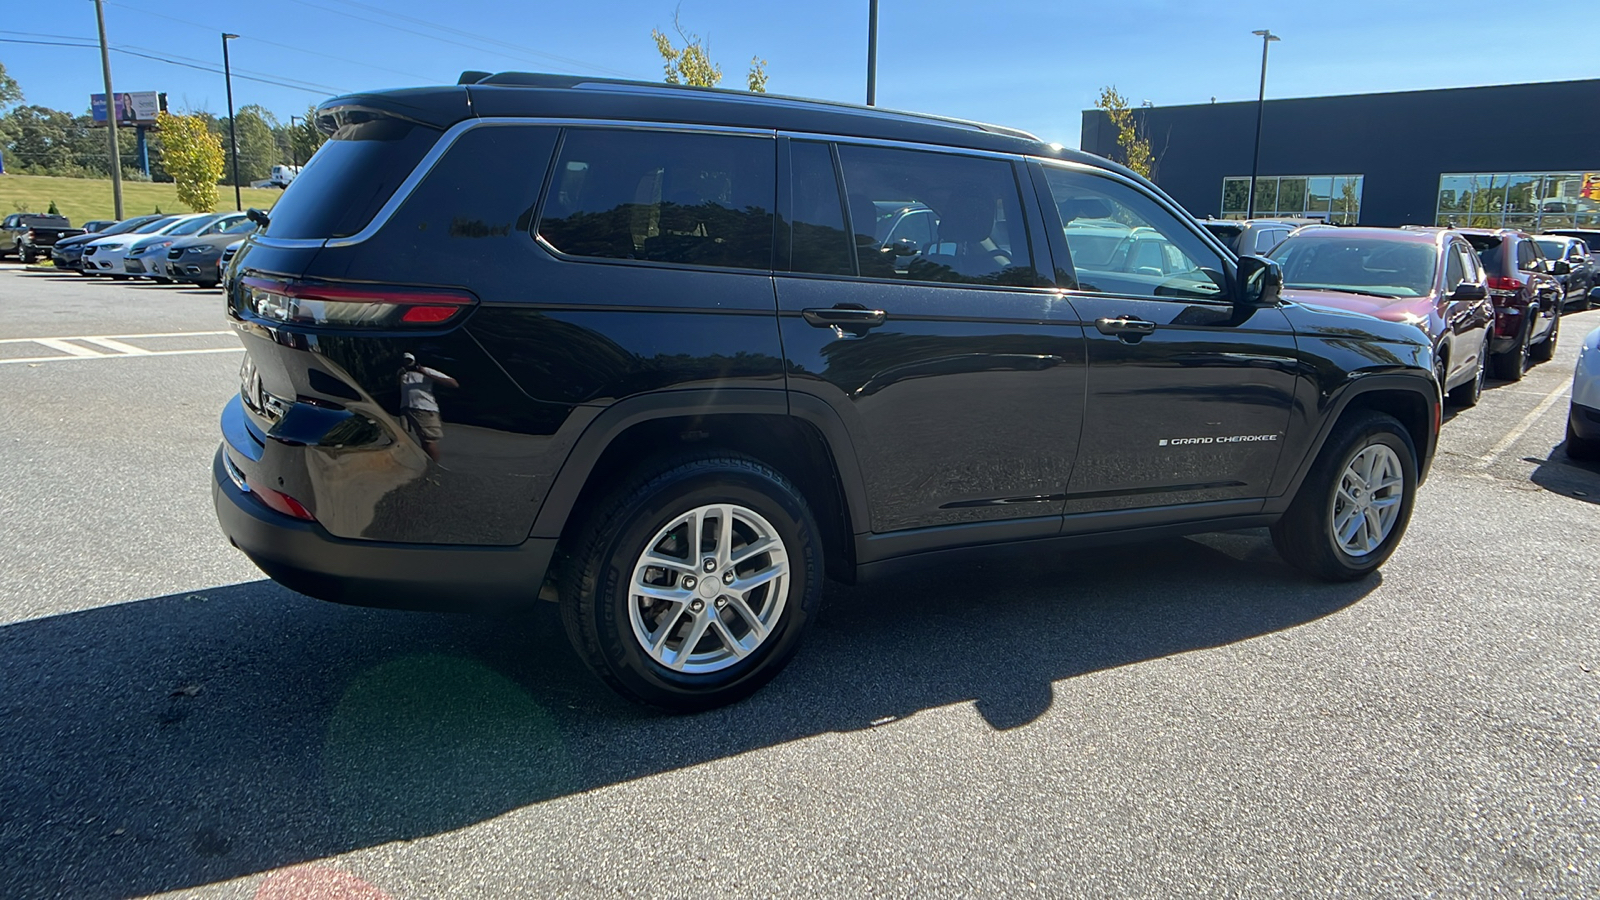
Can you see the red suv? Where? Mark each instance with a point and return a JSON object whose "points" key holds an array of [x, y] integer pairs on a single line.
{"points": [[1527, 299]]}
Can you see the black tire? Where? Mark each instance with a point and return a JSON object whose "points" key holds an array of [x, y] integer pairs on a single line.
{"points": [[25, 256], [1510, 365], [596, 585], [159, 280], [120, 277], [1579, 447], [1304, 536], [206, 284], [1545, 350], [1467, 395]]}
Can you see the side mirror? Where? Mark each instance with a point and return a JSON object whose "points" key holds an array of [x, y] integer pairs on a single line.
{"points": [[1560, 267], [257, 216], [1467, 291], [1260, 281], [902, 247]]}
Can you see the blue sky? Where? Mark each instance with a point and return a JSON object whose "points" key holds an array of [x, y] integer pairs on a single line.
{"points": [[1033, 65]]}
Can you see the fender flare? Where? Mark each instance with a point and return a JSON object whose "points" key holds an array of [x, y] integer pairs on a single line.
{"points": [[617, 418], [1417, 382]]}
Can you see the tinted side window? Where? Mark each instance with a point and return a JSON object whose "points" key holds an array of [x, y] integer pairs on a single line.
{"points": [[975, 230], [1108, 226], [1454, 270], [694, 199], [818, 241], [1527, 255]]}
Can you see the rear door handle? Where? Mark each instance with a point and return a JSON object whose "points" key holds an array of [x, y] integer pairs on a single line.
{"points": [[845, 317], [1122, 325]]}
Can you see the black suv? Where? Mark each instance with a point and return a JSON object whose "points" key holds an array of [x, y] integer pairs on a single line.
{"points": [[643, 349]]}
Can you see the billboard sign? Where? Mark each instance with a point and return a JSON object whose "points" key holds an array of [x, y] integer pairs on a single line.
{"points": [[139, 108]]}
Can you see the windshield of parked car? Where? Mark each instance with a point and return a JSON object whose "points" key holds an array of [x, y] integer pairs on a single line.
{"points": [[155, 226], [1387, 268], [189, 226], [1552, 249], [126, 225], [240, 227]]}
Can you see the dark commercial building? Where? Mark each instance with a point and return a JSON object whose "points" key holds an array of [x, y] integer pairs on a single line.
{"points": [[1516, 155]]}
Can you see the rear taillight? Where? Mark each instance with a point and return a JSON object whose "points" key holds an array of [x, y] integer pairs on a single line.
{"points": [[29, 236], [348, 306], [1505, 283]]}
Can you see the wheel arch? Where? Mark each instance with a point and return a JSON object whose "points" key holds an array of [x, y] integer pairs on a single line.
{"points": [[807, 444], [1413, 399]]}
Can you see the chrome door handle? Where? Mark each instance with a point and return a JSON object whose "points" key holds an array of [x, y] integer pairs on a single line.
{"points": [[1121, 325]]}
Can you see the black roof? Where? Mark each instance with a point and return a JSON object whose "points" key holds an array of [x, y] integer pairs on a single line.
{"points": [[535, 95]]}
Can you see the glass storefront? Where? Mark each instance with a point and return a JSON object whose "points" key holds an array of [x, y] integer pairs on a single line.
{"points": [[1335, 198], [1531, 201]]}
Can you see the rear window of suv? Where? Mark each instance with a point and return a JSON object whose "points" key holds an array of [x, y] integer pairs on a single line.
{"points": [[350, 178], [1490, 252]]}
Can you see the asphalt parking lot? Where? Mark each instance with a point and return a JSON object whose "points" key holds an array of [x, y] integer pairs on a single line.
{"points": [[1183, 718]]}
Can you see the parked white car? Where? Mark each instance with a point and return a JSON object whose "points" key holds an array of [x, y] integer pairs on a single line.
{"points": [[1583, 420], [109, 256], [147, 257]]}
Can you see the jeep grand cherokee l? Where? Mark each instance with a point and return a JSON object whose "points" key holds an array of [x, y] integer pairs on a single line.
{"points": [[638, 347]]}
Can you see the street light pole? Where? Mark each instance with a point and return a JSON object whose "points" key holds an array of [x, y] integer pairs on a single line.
{"points": [[294, 151], [1267, 37], [111, 113], [872, 53], [233, 124]]}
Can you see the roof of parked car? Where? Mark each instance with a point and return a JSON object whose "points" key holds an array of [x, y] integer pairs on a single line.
{"points": [[537, 95], [1412, 235]]}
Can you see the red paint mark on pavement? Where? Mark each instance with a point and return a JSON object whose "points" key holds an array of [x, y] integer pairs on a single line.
{"points": [[316, 883]]}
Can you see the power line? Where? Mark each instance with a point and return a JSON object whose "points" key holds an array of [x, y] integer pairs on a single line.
{"points": [[488, 40], [258, 40], [522, 55], [321, 91]]}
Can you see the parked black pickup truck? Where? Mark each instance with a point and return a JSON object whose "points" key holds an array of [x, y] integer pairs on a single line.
{"points": [[28, 236]]}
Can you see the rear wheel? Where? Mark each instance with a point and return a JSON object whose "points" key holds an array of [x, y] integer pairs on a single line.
{"points": [[1545, 350], [208, 283], [26, 256], [1510, 365], [1467, 395], [1354, 505], [691, 588]]}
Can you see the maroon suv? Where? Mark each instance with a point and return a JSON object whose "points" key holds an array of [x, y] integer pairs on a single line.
{"points": [[1430, 278], [1527, 299]]}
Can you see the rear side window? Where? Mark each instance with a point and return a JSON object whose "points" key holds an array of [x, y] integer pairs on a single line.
{"points": [[350, 178], [669, 197], [966, 208]]}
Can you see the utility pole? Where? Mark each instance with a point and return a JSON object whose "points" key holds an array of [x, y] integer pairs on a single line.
{"points": [[872, 53], [233, 124], [1267, 37], [294, 149], [111, 111]]}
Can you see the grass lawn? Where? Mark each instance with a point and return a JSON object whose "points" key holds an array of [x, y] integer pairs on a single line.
{"points": [[83, 199]]}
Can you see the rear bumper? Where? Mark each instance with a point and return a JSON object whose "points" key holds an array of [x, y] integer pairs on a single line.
{"points": [[304, 557], [1585, 422]]}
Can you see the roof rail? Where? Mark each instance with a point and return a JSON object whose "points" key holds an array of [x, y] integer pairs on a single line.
{"points": [[623, 85]]}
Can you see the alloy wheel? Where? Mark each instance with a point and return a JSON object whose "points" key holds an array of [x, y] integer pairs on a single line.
{"points": [[1367, 502], [709, 588]]}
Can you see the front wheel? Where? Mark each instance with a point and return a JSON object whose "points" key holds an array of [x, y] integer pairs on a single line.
{"points": [[691, 588], [1545, 350], [1467, 395], [1510, 365], [1354, 505]]}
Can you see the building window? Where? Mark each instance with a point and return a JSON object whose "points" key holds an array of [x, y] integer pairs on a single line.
{"points": [[1334, 198], [1530, 201]]}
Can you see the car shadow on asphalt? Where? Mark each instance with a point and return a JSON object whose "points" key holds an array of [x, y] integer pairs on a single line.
{"points": [[1560, 474], [181, 740]]}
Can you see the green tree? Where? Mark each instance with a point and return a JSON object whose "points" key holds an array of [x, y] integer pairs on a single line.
{"points": [[258, 150], [304, 138], [1135, 145], [53, 210], [192, 153], [691, 64], [10, 91]]}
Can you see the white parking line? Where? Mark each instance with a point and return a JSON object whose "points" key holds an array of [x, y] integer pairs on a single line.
{"points": [[116, 346], [60, 345], [1522, 427]]}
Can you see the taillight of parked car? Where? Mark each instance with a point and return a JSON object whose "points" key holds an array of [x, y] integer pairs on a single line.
{"points": [[1504, 285], [348, 306]]}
